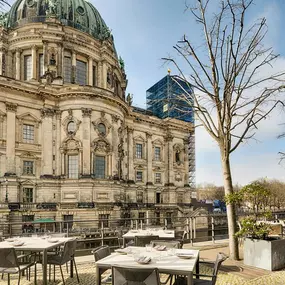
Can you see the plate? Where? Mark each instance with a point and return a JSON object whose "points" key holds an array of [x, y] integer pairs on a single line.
{"points": [[143, 259], [185, 255], [122, 251], [18, 243], [167, 232], [10, 239], [160, 247], [52, 240]]}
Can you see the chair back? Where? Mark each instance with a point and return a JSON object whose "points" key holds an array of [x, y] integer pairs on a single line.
{"points": [[221, 257], [68, 251], [167, 243], [143, 240], [101, 252], [8, 258], [134, 276]]}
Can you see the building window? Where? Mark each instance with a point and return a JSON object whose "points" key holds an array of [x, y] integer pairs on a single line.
{"points": [[28, 195], [157, 153], [71, 127], [28, 133], [99, 167], [142, 217], [104, 220], [94, 75], [139, 176], [41, 65], [177, 156], [73, 166], [101, 129], [139, 150], [81, 71], [28, 167], [67, 69], [27, 67], [157, 177], [68, 221], [140, 197]]}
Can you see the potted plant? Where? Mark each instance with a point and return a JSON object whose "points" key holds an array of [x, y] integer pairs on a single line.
{"points": [[260, 248]]}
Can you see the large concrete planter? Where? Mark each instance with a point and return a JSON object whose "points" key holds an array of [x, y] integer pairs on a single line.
{"points": [[265, 254]]}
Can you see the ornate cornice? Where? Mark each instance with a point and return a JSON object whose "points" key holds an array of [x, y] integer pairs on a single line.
{"points": [[48, 112], [11, 107], [86, 112]]}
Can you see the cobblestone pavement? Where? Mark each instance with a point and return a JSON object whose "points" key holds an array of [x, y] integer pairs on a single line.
{"points": [[87, 277]]}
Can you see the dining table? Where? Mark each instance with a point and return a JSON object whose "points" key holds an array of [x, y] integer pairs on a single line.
{"points": [[163, 234], [167, 261], [35, 244]]}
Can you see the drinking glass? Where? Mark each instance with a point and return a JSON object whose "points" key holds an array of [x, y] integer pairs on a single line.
{"points": [[148, 247]]}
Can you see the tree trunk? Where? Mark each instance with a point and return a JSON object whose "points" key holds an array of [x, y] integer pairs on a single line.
{"points": [[231, 215]]}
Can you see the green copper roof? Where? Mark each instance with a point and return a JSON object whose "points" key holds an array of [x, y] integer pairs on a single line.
{"points": [[79, 14]]}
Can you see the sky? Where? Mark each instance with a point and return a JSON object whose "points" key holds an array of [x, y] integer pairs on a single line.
{"points": [[146, 31]]}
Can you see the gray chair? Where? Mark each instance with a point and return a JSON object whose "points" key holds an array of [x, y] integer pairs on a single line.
{"points": [[11, 264], [135, 276], [99, 253], [180, 236], [167, 243], [62, 257], [221, 257], [143, 240]]}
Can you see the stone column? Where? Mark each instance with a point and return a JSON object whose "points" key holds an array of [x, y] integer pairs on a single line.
{"points": [[90, 71], [58, 143], [131, 171], [59, 60], [45, 55], [10, 67], [11, 110], [73, 62], [47, 141], [100, 74], [86, 129], [34, 62], [62, 61], [1, 61], [115, 144], [169, 160], [18, 64], [149, 159], [104, 75]]}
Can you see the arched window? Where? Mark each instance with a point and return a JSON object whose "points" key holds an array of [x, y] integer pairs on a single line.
{"points": [[177, 156], [71, 127], [101, 129]]}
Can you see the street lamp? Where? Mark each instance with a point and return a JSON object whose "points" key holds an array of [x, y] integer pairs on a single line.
{"points": [[6, 195]]}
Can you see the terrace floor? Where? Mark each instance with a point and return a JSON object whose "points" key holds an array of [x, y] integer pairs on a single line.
{"points": [[231, 273]]}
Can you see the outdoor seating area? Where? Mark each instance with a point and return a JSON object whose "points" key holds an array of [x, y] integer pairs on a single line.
{"points": [[230, 272]]}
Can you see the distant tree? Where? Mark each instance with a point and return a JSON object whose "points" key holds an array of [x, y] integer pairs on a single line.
{"points": [[211, 192], [231, 96]]}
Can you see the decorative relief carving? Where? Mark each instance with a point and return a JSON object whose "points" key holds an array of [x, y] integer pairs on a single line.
{"points": [[11, 107], [47, 112], [148, 135], [86, 112], [101, 146], [168, 137], [115, 118]]}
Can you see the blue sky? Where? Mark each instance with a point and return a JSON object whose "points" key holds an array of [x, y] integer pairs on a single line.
{"points": [[146, 30]]}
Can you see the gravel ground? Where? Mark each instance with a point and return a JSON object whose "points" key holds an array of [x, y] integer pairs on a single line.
{"points": [[87, 277]]}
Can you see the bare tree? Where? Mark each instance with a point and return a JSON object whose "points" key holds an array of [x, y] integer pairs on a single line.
{"points": [[231, 95]]}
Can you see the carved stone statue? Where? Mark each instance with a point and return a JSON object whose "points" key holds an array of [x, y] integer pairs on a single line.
{"points": [[122, 63], [130, 99]]}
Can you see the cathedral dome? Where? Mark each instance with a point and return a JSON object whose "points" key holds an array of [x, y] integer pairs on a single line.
{"points": [[79, 14]]}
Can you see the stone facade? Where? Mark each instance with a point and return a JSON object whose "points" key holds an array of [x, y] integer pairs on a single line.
{"points": [[56, 134]]}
